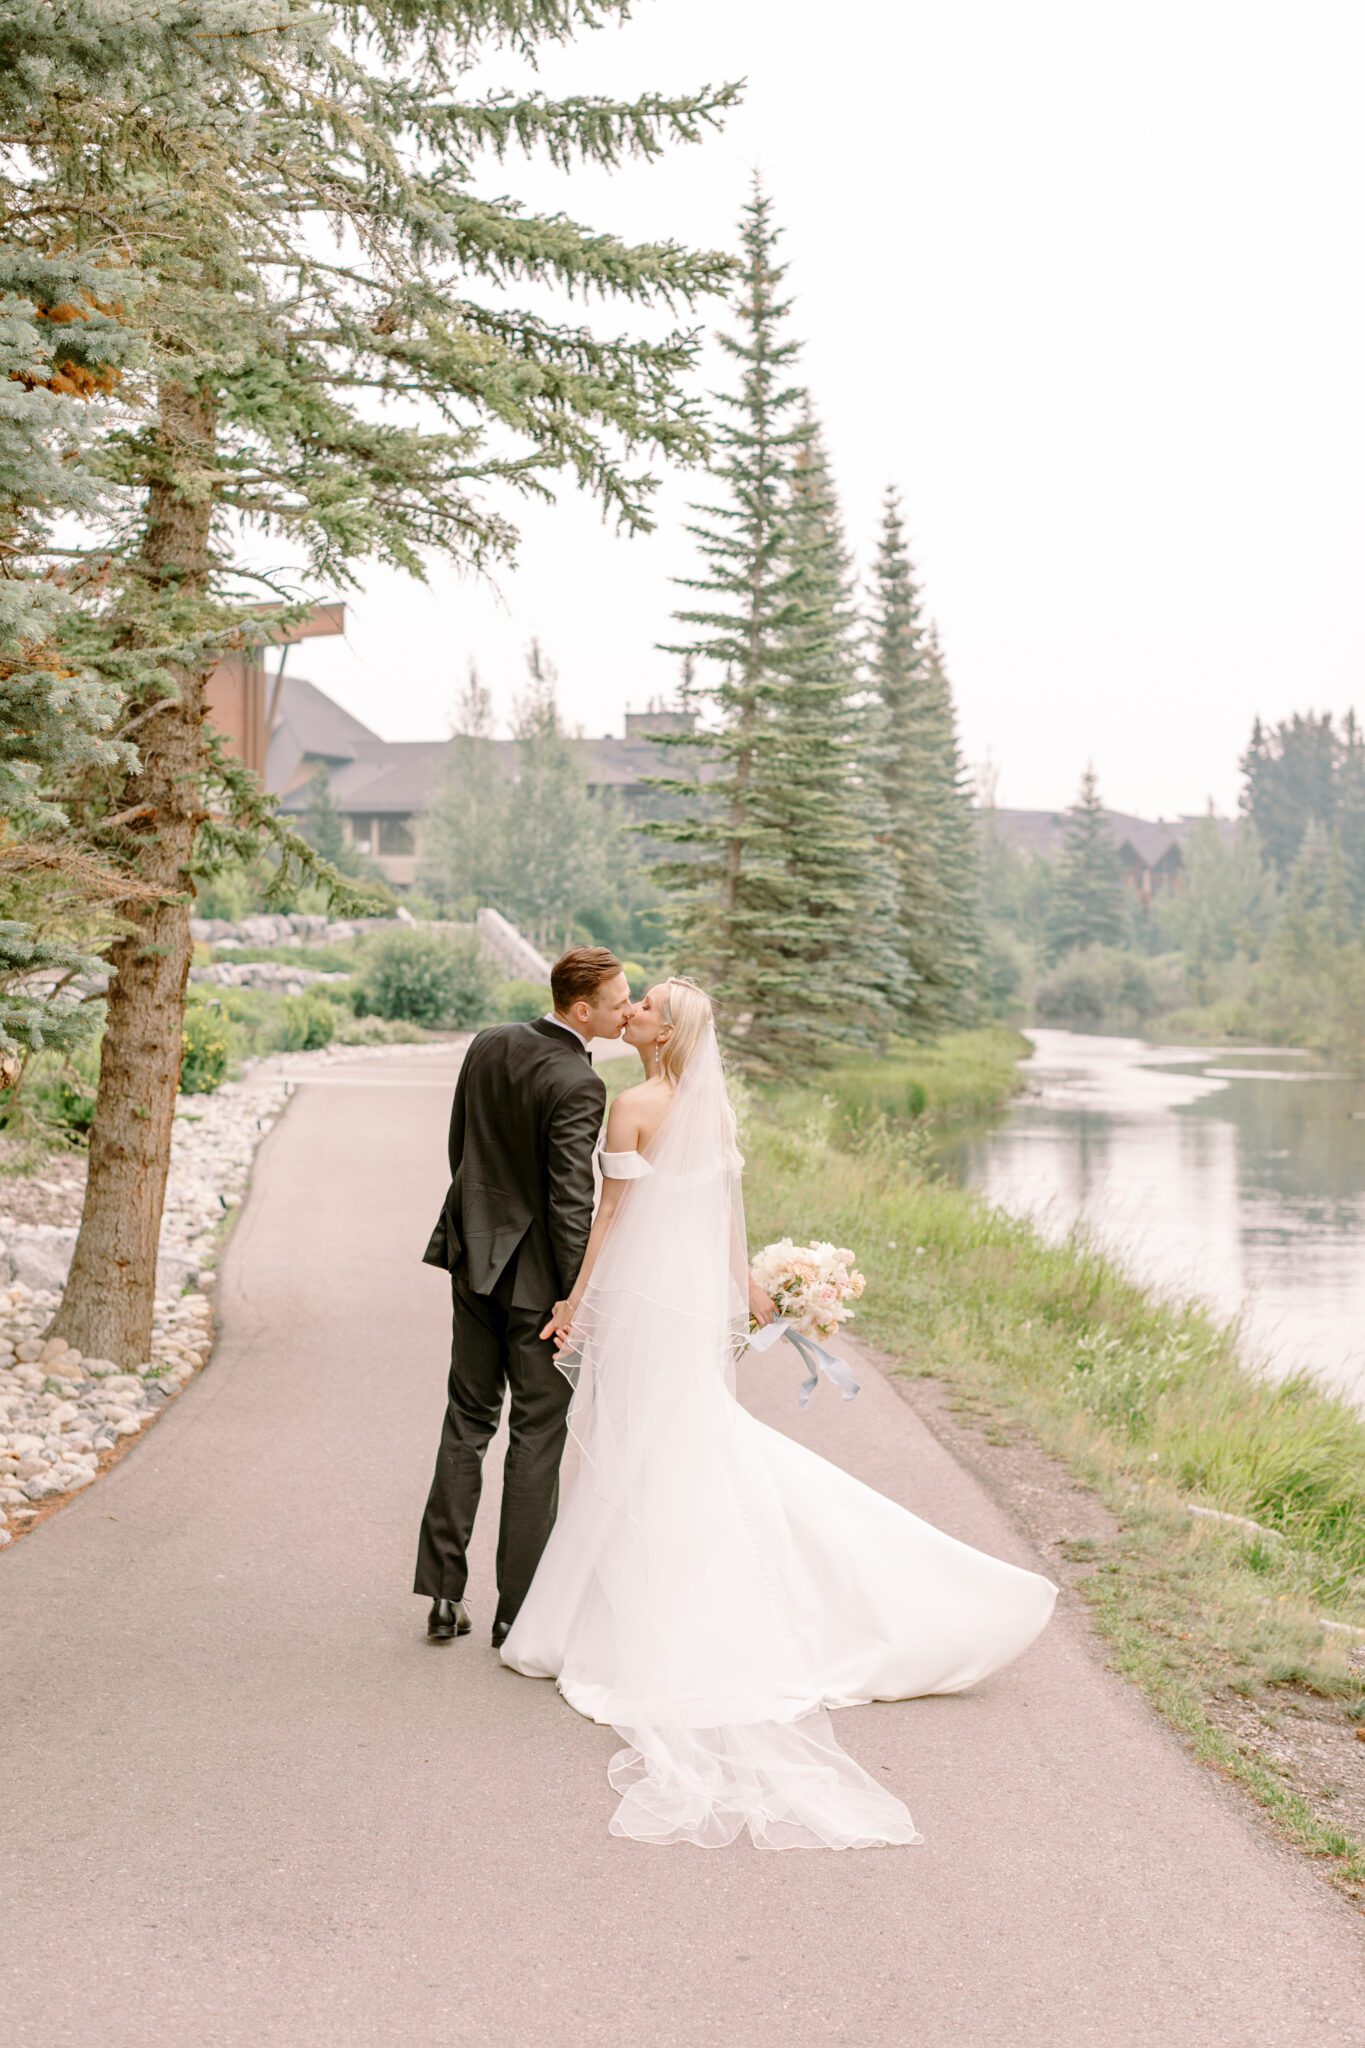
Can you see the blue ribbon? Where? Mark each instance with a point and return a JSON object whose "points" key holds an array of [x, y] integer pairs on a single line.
{"points": [[814, 1357]]}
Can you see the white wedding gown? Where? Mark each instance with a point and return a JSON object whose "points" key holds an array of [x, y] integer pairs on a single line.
{"points": [[710, 1588]]}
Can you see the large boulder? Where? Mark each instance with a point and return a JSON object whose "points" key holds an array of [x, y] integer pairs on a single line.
{"points": [[38, 1255]]}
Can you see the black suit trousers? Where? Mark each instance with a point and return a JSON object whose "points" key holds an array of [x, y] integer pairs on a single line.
{"points": [[495, 1348]]}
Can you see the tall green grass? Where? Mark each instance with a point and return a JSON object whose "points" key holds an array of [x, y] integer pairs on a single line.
{"points": [[1155, 1389], [961, 1078]]}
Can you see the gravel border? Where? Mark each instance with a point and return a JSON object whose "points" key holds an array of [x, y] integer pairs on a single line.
{"points": [[63, 1417]]}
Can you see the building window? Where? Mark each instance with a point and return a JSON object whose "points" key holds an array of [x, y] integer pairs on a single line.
{"points": [[395, 835]]}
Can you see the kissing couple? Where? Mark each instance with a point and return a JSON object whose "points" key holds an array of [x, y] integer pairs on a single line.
{"points": [[701, 1583]]}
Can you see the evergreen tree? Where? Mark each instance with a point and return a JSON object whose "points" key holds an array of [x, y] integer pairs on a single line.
{"points": [[57, 714], [334, 391], [734, 893], [957, 875], [1087, 901], [824, 804], [931, 830], [322, 825], [782, 899], [1289, 782]]}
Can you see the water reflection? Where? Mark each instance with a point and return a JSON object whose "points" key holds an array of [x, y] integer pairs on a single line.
{"points": [[1237, 1175]]}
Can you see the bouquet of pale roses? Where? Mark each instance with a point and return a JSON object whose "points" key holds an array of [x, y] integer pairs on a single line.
{"points": [[812, 1285]]}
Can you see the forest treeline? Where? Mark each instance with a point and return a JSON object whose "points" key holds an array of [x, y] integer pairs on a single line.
{"points": [[1262, 935]]}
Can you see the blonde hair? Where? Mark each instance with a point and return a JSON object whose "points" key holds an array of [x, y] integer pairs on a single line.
{"points": [[688, 1012]]}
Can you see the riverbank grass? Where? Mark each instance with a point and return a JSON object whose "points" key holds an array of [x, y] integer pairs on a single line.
{"points": [[958, 1080], [1146, 1402]]}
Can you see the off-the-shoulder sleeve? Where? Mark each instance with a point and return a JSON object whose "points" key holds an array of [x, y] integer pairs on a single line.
{"points": [[622, 1165]]}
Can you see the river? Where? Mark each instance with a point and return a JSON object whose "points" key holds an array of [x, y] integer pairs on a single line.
{"points": [[1235, 1175]]}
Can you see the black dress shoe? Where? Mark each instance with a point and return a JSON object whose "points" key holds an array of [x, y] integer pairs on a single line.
{"points": [[447, 1619], [501, 1631]]}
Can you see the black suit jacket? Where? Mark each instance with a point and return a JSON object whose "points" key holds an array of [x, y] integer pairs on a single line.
{"points": [[527, 1113]]}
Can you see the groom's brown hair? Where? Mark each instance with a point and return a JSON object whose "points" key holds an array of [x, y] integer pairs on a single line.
{"points": [[578, 974]]}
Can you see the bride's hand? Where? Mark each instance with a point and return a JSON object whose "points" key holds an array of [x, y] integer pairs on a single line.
{"points": [[762, 1307], [559, 1325]]}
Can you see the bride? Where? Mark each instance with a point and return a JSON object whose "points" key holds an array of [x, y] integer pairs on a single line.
{"points": [[711, 1588]]}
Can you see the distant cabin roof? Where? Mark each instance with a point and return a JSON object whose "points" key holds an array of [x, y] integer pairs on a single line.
{"points": [[374, 777], [1151, 839], [317, 723]]}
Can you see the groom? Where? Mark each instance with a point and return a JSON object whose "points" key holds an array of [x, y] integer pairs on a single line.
{"points": [[528, 1110]]}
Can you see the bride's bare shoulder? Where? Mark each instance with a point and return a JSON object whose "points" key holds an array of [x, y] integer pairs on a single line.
{"points": [[634, 1116]]}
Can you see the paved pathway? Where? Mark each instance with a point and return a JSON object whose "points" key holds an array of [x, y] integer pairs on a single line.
{"points": [[247, 1807]]}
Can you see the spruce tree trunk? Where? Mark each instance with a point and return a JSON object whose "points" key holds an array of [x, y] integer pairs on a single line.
{"points": [[106, 1311]]}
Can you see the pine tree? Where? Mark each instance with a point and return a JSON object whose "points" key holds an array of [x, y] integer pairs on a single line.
{"points": [[322, 826], [1289, 782], [733, 893], [57, 714], [334, 391], [824, 798], [1087, 906], [781, 894], [931, 831], [958, 867]]}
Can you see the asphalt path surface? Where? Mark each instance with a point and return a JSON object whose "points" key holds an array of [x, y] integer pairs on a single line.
{"points": [[246, 1805]]}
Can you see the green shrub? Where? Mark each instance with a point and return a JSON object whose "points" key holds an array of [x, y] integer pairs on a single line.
{"points": [[1096, 984], [521, 1001], [57, 1095], [307, 1022], [253, 1016], [377, 1031], [232, 894], [1006, 967], [340, 994], [208, 1047], [425, 978]]}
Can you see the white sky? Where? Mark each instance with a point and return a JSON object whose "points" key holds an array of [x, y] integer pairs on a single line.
{"points": [[1084, 277]]}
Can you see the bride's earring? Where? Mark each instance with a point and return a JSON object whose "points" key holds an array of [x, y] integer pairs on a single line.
{"points": [[658, 1058]]}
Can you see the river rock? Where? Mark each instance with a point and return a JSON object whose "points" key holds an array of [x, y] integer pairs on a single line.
{"points": [[40, 1255]]}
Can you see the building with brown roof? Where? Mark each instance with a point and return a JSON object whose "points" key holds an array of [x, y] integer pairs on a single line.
{"points": [[382, 787], [1151, 850]]}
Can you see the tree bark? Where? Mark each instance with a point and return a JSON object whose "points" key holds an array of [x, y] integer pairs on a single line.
{"points": [[106, 1311]]}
